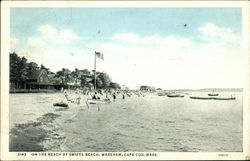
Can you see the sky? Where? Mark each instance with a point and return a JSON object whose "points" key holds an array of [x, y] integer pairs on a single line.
{"points": [[141, 46]]}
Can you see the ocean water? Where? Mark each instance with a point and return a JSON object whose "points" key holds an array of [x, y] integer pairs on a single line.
{"points": [[150, 123]]}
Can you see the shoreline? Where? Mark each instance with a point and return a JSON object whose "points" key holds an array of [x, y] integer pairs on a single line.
{"points": [[44, 133], [117, 125]]}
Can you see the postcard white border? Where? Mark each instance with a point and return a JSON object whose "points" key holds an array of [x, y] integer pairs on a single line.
{"points": [[5, 7]]}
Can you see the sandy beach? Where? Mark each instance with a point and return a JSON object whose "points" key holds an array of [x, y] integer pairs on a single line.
{"points": [[149, 123]]}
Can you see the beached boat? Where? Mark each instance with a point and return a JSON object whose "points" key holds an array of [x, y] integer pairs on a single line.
{"points": [[174, 95], [97, 101], [61, 104]]}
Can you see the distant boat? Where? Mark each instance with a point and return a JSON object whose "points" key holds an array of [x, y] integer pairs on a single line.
{"points": [[213, 94], [174, 95], [212, 98], [227, 98]]}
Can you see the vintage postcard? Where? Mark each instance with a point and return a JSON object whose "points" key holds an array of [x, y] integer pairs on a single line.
{"points": [[123, 80]]}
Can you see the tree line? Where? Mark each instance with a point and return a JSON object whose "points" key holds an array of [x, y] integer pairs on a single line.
{"points": [[21, 69]]}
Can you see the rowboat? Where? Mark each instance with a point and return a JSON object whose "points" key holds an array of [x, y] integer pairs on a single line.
{"points": [[213, 94], [174, 95], [213, 98], [97, 101], [227, 98], [61, 104]]}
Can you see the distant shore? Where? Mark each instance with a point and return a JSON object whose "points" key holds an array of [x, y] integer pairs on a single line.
{"points": [[210, 89], [33, 91], [179, 90]]}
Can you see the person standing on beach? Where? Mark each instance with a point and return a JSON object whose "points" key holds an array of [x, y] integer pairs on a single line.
{"points": [[94, 96], [78, 100], [107, 96], [123, 96], [114, 96]]}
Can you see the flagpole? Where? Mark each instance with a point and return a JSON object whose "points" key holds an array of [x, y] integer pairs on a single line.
{"points": [[95, 73]]}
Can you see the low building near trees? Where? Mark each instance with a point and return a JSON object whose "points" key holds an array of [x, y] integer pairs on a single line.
{"points": [[147, 88], [39, 79]]}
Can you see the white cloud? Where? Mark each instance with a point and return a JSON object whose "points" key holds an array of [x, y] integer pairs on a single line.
{"points": [[211, 32], [53, 48], [180, 62], [62, 36], [134, 60]]}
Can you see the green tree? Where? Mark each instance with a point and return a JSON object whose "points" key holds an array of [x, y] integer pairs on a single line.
{"points": [[102, 80], [18, 70], [86, 77], [31, 67], [83, 75], [23, 72], [64, 75], [114, 85], [75, 75], [14, 68], [99, 83]]}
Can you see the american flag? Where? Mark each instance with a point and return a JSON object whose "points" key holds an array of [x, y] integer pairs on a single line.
{"points": [[99, 55]]}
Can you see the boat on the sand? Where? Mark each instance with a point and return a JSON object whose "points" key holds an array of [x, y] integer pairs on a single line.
{"points": [[97, 101], [174, 95], [61, 104]]}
